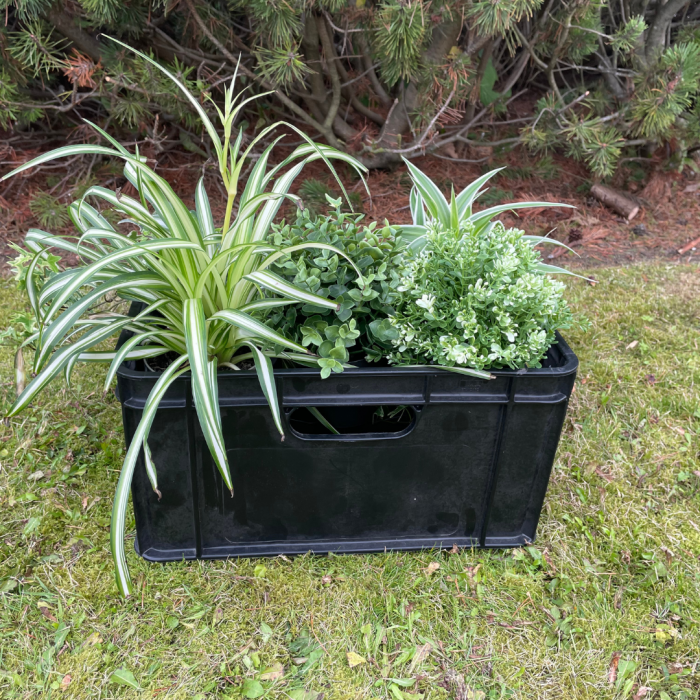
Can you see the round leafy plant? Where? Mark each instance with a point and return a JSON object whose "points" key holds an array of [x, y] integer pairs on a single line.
{"points": [[361, 323]]}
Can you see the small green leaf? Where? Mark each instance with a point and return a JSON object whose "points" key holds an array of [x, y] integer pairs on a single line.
{"points": [[252, 688], [123, 676], [265, 631], [31, 526], [172, 622]]}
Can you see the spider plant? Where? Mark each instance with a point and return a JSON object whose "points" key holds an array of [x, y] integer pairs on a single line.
{"points": [[205, 290], [430, 209]]}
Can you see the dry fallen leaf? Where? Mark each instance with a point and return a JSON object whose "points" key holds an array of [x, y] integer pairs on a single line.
{"points": [[641, 693], [325, 580], [422, 653], [675, 667], [632, 345], [44, 610], [93, 639], [548, 559], [275, 672], [65, 682], [432, 567], [454, 550], [612, 671], [355, 659]]}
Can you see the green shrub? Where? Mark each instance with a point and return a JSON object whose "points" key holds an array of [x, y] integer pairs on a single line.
{"points": [[476, 299], [472, 294], [361, 324]]}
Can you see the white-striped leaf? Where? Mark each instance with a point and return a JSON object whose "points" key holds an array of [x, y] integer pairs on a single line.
{"points": [[53, 333], [63, 152], [121, 496], [266, 377], [482, 217], [465, 199], [417, 208], [211, 130], [255, 329], [202, 387], [274, 282], [59, 360], [434, 200]]}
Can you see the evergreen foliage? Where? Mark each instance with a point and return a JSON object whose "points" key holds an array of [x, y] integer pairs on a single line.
{"points": [[360, 328], [381, 78]]}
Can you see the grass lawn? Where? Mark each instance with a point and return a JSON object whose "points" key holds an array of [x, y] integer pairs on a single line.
{"points": [[606, 604]]}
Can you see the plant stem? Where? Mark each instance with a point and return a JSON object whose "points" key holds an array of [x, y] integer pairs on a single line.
{"points": [[229, 208]]}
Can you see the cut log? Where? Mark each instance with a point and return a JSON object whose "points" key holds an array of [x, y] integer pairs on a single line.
{"points": [[617, 201], [688, 247]]}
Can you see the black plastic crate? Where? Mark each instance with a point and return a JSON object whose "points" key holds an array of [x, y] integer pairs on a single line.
{"points": [[468, 464]]}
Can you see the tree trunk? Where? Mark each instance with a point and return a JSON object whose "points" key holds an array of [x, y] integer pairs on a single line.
{"points": [[656, 36], [444, 38], [65, 24]]}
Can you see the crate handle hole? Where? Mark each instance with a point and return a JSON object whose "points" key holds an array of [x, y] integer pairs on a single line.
{"points": [[352, 422]]}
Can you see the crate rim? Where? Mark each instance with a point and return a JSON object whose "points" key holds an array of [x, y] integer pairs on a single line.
{"points": [[569, 366]]}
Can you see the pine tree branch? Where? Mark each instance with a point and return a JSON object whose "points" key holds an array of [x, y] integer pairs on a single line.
{"points": [[350, 93], [332, 70], [379, 91], [444, 38], [291, 105]]}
